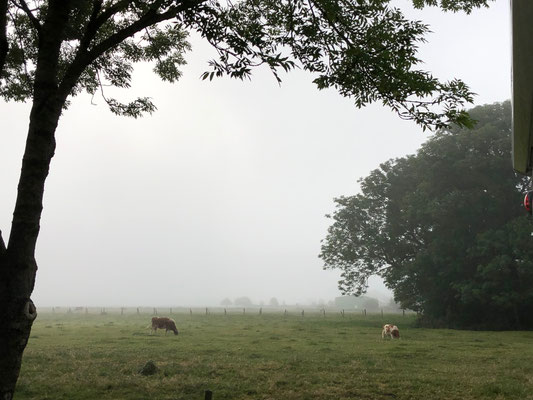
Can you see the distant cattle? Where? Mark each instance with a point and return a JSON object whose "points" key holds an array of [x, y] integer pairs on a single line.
{"points": [[163, 323], [390, 330]]}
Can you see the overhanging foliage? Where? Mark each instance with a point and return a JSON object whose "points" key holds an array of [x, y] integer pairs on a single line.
{"points": [[365, 49]]}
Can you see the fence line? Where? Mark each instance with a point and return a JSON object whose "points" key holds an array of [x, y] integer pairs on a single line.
{"points": [[301, 311]]}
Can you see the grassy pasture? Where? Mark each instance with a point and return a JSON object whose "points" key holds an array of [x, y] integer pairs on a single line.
{"points": [[270, 356]]}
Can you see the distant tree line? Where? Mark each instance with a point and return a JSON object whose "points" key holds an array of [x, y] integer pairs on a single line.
{"points": [[444, 228], [360, 303], [245, 301]]}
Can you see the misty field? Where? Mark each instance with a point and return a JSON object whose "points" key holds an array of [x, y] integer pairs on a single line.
{"points": [[270, 356]]}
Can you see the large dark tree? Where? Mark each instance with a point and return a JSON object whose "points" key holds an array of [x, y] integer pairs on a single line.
{"points": [[444, 228], [51, 50]]}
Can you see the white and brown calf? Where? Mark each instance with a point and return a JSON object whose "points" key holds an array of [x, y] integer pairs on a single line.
{"points": [[163, 323], [390, 330]]}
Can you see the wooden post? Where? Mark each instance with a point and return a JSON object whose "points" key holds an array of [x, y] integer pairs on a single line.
{"points": [[260, 310], [208, 395], [342, 313], [225, 312], [324, 311], [365, 312]]}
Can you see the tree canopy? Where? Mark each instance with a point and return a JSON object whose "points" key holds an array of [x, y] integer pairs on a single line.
{"points": [[365, 49], [444, 228]]}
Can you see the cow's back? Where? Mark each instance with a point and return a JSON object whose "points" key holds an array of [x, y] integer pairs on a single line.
{"points": [[164, 323]]}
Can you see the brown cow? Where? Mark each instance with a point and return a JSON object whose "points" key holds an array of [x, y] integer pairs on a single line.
{"points": [[390, 330], [163, 323]]}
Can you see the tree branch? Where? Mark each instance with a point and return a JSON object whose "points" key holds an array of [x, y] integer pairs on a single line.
{"points": [[110, 11], [35, 22], [84, 58], [148, 19], [92, 26]]}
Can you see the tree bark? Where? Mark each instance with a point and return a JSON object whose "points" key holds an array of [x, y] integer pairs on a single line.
{"points": [[18, 267]]}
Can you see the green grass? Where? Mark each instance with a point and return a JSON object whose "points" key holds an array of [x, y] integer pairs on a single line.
{"points": [[270, 356]]}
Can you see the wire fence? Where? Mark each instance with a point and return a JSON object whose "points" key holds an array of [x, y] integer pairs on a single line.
{"points": [[253, 310]]}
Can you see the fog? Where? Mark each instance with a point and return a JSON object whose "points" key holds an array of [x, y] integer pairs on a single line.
{"points": [[223, 191]]}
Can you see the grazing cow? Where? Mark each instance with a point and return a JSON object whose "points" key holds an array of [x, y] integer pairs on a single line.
{"points": [[163, 323], [390, 330]]}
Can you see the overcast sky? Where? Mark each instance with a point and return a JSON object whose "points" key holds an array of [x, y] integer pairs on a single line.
{"points": [[223, 191]]}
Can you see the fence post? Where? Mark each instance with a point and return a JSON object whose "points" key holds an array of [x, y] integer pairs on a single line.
{"points": [[260, 310], [324, 311], [225, 312], [365, 312], [342, 313]]}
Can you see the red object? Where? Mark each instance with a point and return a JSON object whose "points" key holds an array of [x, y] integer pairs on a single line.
{"points": [[527, 201]]}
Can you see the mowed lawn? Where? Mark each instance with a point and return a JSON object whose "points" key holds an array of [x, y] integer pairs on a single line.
{"points": [[270, 356]]}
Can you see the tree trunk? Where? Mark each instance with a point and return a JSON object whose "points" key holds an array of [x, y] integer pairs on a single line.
{"points": [[17, 317], [17, 261], [18, 267]]}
